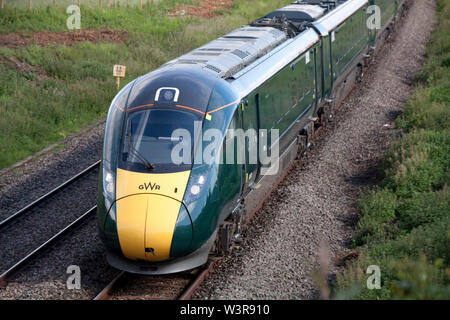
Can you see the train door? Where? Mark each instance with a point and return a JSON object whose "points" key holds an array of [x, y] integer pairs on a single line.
{"points": [[250, 126], [317, 78], [373, 32], [326, 65]]}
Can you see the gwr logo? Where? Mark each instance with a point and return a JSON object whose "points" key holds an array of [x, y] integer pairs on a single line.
{"points": [[151, 186]]}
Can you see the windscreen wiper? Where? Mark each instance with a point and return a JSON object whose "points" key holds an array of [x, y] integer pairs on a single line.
{"points": [[148, 165]]}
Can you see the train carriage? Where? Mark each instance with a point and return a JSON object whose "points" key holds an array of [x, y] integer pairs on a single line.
{"points": [[275, 80]]}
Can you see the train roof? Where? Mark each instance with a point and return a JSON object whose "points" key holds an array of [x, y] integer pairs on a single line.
{"points": [[335, 17], [231, 52], [245, 49]]}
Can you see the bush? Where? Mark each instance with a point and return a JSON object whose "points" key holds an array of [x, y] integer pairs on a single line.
{"points": [[377, 210], [418, 162], [422, 209], [419, 279], [415, 265]]}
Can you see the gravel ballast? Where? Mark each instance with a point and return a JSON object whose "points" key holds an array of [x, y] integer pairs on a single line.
{"points": [[46, 277]]}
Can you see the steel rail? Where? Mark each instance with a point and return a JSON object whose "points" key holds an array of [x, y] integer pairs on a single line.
{"points": [[106, 292], [46, 196], [78, 222], [186, 294]]}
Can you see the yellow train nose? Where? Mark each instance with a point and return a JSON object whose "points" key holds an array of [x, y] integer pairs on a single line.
{"points": [[145, 225], [147, 212]]}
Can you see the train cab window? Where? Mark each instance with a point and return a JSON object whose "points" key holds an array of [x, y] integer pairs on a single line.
{"points": [[158, 141], [113, 129]]}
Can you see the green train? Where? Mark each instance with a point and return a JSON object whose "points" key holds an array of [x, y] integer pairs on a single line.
{"points": [[193, 148]]}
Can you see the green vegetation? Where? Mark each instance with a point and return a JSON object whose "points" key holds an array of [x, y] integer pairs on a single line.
{"points": [[60, 89], [152, 19], [89, 3], [404, 225]]}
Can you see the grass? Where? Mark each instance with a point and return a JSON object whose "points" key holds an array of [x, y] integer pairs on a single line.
{"points": [[151, 19], [89, 3], [64, 89], [404, 225]]}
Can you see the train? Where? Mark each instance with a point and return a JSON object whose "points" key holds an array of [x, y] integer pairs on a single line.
{"points": [[162, 207]]}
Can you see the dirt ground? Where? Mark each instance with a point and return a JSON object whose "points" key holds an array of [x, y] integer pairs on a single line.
{"points": [[205, 9], [44, 38]]}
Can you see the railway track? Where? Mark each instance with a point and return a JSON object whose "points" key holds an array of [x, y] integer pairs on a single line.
{"points": [[46, 245], [14, 218], [179, 286]]}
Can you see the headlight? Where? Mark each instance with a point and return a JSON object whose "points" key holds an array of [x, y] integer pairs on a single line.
{"points": [[109, 191], [195, 189], [108, 183], [197, 185]]}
